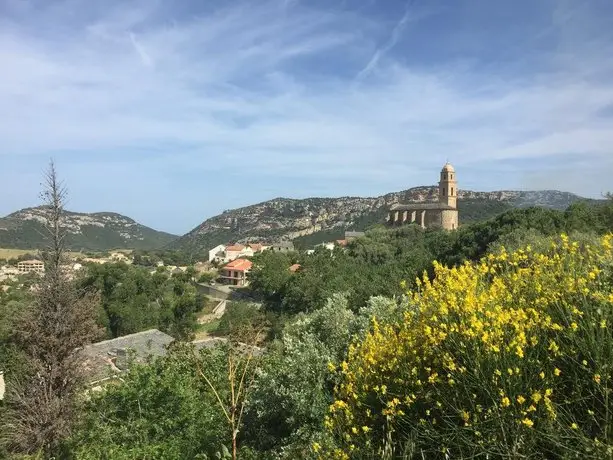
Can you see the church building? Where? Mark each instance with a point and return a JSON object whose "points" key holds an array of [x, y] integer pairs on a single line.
{"points": [[442, 213]]}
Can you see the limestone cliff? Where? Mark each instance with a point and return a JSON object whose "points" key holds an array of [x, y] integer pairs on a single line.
{"points": [[287, 218]]}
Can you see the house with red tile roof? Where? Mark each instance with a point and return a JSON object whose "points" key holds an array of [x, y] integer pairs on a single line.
{"points": [[235, 273]]}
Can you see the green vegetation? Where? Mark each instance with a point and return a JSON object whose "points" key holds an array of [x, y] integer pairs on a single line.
{"points": [[377, 263], [502, 348], [134, 300], [164, 410], [509, 356], [103, 232], [150, 258]]}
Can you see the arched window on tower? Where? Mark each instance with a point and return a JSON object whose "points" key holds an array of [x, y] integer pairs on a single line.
{"points": [[451, 191], [443, 191]]}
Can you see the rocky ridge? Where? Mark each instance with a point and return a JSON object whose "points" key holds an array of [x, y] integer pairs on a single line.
{"points": [[287, 218]]}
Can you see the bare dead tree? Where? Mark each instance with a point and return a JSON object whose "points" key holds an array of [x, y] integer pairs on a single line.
{"points": [[243, 360], [42, 404]]}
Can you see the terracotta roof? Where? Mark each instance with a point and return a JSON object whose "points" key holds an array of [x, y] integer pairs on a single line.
{"points": [[341, 242], [235, 247], [240, 265], [294, 268], [256, 247]]}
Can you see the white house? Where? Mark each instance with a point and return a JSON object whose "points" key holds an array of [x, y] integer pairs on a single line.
{"points": [[213, 253]]}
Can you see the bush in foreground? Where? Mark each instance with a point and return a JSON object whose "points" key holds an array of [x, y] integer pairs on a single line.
{"points": [[507, 358]]}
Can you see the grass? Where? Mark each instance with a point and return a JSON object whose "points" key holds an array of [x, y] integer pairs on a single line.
{"points": [[209, 305], [210, 327], [12, 253], [6, 253], [206, 330]]}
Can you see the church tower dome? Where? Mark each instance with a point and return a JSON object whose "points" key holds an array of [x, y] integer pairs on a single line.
{"points": [[448, 186]]}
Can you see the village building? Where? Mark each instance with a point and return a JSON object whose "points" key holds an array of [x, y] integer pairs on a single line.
{"points": [[235, 273], [257, 247], [442, 213], [31, 266], [109, 359], [234, 251], [282, 246], [225, 254], [217, 252], [120, 257]]}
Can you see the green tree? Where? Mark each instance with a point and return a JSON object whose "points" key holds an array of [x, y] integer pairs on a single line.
{"points": [[162, 410]]}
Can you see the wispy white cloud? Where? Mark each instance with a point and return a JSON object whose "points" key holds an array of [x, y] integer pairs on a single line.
{"points": [[388, 45], [144, 56], [269, 87]]}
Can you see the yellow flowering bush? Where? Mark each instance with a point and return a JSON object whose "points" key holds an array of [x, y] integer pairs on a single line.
{"points": [[509, 356]]}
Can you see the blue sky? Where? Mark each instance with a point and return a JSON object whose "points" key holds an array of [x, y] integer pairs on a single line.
{"points": [[172, 111]]}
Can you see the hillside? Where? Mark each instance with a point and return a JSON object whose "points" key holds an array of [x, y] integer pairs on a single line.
{"points": [[100, 231], [314, 220]]}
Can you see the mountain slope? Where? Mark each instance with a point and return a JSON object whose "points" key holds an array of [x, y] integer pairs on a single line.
{"points": [[99, 231], [313, 220]]}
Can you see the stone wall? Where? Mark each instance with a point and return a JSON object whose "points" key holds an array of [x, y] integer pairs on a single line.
{"points": [[449, 219]]}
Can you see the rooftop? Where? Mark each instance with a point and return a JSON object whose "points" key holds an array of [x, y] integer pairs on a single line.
{"points": [[294, 268], [239, 265], [235, 247], [102, 359]]}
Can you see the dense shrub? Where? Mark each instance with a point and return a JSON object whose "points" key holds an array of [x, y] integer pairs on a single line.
{"points": [[510, 357], [164, 410]]}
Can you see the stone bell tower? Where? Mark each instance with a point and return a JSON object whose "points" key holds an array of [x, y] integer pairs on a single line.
{"points": [[448, 187]]}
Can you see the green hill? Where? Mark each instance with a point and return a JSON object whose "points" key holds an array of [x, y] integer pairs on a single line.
{"points": [[100, 231]]}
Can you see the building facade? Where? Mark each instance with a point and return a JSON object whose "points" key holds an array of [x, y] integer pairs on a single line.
{"points": [[235, 273], [442, 213], [29, 266]]}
